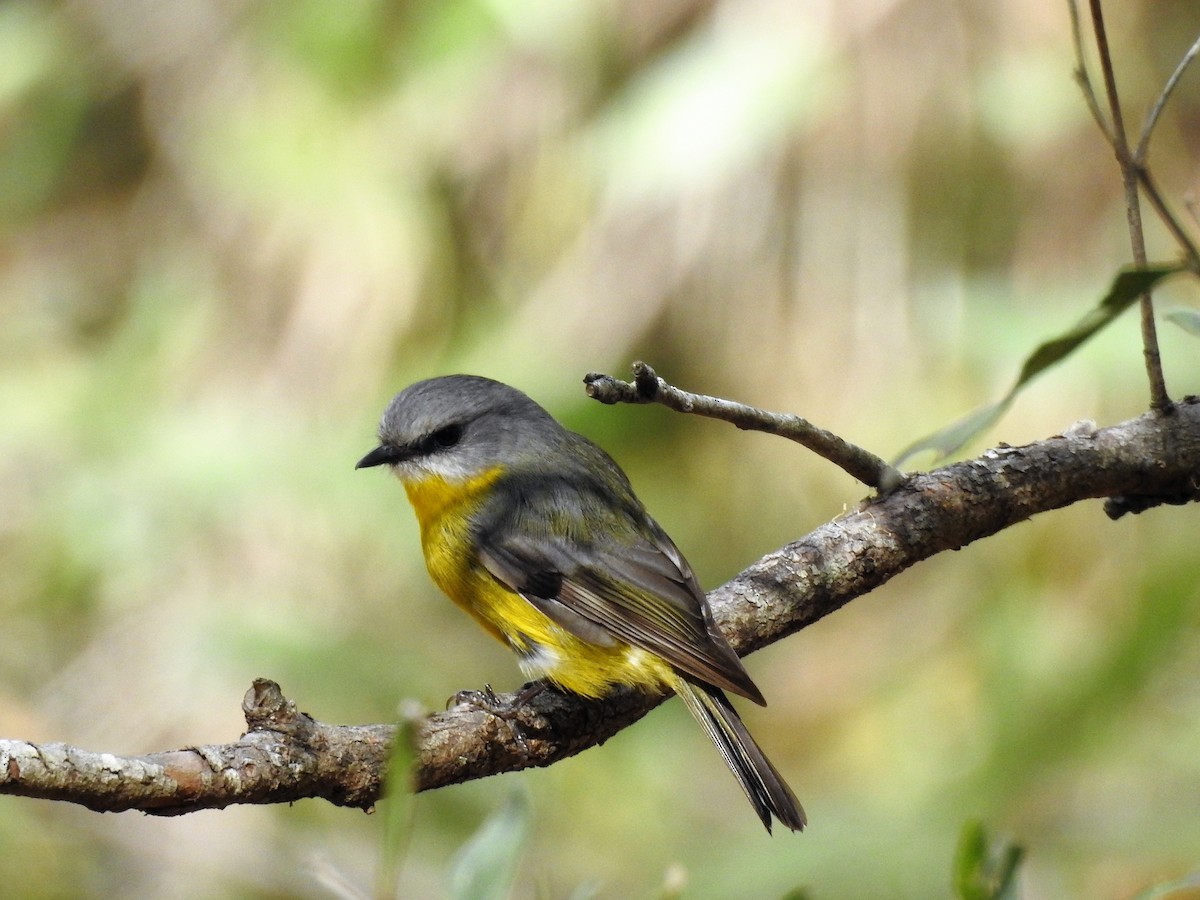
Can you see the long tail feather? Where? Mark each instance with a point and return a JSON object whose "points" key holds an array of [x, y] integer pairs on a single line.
{"points": [[764, 786]]}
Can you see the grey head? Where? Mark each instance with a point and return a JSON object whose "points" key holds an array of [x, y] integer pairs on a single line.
{"points": [[457, 426]]}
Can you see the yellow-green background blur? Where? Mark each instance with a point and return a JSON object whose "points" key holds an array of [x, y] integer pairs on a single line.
{"points": [[230, 230]]}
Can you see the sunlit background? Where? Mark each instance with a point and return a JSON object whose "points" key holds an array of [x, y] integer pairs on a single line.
{"points": [[230, 231]]}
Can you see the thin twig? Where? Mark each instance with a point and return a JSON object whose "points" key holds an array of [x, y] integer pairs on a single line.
{"points": [[1143, 147], [1084, 81], [1081, 74], [1159, 398], [647, 387], [1154, 196]]}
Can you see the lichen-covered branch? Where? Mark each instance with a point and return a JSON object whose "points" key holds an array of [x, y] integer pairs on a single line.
{"points": [[286, 755]]}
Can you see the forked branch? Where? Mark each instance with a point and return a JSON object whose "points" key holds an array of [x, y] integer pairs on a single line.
{"points": [[1135, 172]]}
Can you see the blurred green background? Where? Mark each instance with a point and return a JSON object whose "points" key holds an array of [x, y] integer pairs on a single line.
{"points": [[230, 230]]}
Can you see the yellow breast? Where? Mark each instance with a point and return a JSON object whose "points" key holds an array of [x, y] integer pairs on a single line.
{"points": [[445, 510]]}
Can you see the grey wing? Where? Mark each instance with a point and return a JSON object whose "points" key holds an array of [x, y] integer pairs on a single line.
{"points": [[637, 588]]}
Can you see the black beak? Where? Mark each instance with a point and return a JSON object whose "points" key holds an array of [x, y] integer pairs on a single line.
{"points": [[383, 455]]}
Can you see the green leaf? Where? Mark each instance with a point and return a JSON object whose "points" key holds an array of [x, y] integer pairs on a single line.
{"points": [[953, 436], [983, 872], [398, 802], [969, 860], [1127, 287], [486, 866], [1187, 319]]}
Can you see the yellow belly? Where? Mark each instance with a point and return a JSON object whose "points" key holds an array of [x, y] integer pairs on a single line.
{"points": [[544, 648]]}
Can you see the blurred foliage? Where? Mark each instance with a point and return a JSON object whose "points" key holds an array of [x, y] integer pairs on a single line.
{"points": [[1128, 288], [485, 868], [984, 871], [229, 231]]}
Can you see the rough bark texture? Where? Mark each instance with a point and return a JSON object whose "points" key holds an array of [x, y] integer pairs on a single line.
{"points": [[286, 755]]}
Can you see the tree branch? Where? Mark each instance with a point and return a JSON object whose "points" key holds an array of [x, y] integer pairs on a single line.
{"points": [[286, 755], [648, 387]]}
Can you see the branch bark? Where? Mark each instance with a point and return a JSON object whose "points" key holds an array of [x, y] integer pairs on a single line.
{"points": [[647, 387], [286, 755]]}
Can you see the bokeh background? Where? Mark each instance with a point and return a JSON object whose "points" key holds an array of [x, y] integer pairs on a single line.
{"points": [[230, 230]]}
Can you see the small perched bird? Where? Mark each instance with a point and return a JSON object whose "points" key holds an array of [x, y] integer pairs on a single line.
{"points": [[536, 532]]}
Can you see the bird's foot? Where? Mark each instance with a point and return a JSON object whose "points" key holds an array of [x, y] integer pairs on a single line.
{"points": [[507, 710], [488, 701]]}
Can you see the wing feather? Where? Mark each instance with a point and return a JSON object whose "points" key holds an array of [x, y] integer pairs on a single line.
{"points": [[635, 587]]}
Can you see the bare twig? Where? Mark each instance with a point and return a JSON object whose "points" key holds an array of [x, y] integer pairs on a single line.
{"points": [[1155, 197], [1169, 219], [1081, 74], [647, 387], [1159, 398], [1190, 251], [1143, 146]]}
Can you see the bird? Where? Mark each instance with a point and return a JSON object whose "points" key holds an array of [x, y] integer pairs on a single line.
{"points": [[537, 533]]}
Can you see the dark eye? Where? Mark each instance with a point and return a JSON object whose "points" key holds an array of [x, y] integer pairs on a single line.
{"points": [[445, 437]]}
